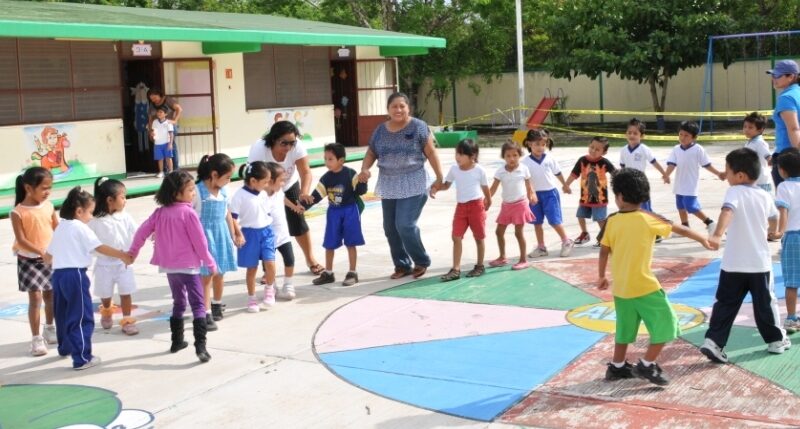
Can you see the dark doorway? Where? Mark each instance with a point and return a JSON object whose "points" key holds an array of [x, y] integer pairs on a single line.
{"points": [[138, 147], [345, 101]]}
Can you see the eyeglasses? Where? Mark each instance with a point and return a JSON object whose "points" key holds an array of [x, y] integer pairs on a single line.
{"points": [[287, 142]]}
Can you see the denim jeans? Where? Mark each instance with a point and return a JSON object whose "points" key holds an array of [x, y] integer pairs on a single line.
{"points": [[400, 226]]}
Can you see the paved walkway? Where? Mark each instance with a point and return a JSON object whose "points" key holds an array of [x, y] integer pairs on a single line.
{"points": [[505, 350]]}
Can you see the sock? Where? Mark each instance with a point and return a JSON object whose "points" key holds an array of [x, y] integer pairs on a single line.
{"points": [[251, 296], [686, 224], [328, 272], [287, 281], [618, 364], [208, 311], [645, 362], [50, 325], [269, 286], [708, 221], [216, 301]]}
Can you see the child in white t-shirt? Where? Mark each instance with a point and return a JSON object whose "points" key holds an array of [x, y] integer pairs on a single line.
{"points": [[280, 227], [638, 155], [753, 128], [163, 138], [474, 199], [787, 199]]}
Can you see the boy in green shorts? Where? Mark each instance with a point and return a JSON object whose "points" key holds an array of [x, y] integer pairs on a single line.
{"points": [[629, 236]]}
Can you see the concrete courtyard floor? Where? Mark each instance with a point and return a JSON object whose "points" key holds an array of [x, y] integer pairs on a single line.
{"points": [[265, 371]]}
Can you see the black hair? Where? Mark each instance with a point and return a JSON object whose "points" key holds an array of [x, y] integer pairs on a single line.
{"points": [[255, 170], [162, 108], [32, 177], [105, 188], [690, 127], [510, 146], [173, 184], [397, 95], [76, 198], [789, 161], [535, 136], [469, 148], [275, 170], [632, 184], [337, 149], [638, 124], [756, 119], [602, 140], [155, 91], [219, 162], [277, 130], [744, 160]]}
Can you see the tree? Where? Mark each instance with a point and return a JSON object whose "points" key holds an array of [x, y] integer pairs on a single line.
{"points": [[648, 42]]}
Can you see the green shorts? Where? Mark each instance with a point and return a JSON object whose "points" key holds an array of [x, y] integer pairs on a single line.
{"points": [[656, 312]]}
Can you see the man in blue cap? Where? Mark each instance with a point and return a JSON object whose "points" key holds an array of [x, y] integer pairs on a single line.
{"points": [[787, 128]]}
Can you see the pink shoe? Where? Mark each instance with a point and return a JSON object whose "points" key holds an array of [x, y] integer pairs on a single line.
{"points": [[520, 265], [499, 262]]}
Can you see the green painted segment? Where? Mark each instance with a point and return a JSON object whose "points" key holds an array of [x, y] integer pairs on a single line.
{"points": [[210, 48], [747, 349], [40, 406], [526, 288], [451, 138], [401, 51], [88, 21]]}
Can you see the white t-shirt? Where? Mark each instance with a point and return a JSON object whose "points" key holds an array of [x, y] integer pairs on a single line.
{"points": [[513, 182], [758, 145], [197, 203], [543, 172], [746, 249], [117, 231], [637, 158], [72, 245], [468, 182], [687, 164], [162, 130], [251, 210], [788, 196], [260, 152], [279, 225]]}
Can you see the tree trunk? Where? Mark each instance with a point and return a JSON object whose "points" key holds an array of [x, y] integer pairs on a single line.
{"points": [[658, 105]]}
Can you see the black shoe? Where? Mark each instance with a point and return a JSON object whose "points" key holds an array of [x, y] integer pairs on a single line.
{"points": [[652, 373], [200, 329], [176, 327], [350, 279], [210, 324], [613, 373], [324, 278], [216, 312]]}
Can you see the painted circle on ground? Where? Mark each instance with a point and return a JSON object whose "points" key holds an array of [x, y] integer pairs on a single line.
{"points": [[602, 317]]}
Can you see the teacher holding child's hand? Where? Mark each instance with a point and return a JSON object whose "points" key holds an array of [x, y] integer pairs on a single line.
{"points": [[401, 145]]}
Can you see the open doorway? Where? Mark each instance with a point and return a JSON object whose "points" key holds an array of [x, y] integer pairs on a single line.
{"points": [[137, 77], [345, 101]]}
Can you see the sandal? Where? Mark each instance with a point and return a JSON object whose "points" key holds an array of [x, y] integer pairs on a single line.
{"points": [[453, 274], [419, 271], [400, 273], [520, 265], [499, 262], [316, 269], [477, 271]]}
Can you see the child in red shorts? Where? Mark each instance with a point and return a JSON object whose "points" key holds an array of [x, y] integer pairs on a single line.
{"points": [[474, 199]]}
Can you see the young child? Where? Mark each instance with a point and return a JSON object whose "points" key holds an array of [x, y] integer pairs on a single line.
{"points": [[71, 253], [545, 175], [787, 199], [746, 261], [474, 199], [518, 196], [115, 228], [593, 170], [180, 250], [753, 128], [33, 220], [629, 238], [250, 206], [687, 157], [638, 155], [283, 240], [163, 136], [343, 221], [211, 204]]}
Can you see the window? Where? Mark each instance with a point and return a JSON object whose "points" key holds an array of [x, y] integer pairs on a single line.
{"points": [[287, 76], [377, 80], [44, 80]]}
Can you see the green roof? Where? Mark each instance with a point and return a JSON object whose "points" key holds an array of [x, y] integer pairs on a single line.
{"points": [[85, 21]]}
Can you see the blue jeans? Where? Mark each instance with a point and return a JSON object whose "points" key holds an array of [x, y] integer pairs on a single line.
{"points": [[400, 226]]}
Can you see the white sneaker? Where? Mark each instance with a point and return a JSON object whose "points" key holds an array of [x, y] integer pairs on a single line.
{"points": [[50, 334], [38, 346], [269, 297], [160, 175], [566, 248], [713, 351], [537, 253], [252, 305], [711, 228], [287, 292], [791, 325], [778, 347], [94, 362]]}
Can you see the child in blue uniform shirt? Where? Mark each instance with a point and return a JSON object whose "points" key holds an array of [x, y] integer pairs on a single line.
{"points": [[343, 223]]}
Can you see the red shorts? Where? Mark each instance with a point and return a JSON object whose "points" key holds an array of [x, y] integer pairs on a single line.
{"points": [[470, 214]]}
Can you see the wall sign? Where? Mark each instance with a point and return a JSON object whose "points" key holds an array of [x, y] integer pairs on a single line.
{"points": [[142, 49]]}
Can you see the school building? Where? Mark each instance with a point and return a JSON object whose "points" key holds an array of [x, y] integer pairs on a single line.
{"points": [[74, 77]]}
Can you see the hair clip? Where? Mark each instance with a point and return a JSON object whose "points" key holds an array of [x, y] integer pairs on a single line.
{"points": [[248, 168], [102, 180]]}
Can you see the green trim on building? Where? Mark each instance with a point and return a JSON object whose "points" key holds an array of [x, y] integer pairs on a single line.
{"points": [[402, 51], [210, 48]]}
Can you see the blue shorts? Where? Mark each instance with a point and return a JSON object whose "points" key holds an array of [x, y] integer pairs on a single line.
{"points": [[596, 213], [160, 152], [259, 246], [549, 206], [688, 203], [343, 225], [790, 259]]}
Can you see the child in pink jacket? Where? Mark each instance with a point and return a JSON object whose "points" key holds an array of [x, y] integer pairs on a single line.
{"points": [[180, 250]]}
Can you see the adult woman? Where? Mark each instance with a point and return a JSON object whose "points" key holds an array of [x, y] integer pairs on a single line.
{"points": [[280, 145], [787, 128], [401, 145], [174, 110]]}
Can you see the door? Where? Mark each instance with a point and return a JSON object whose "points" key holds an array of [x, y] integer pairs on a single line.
{"points": [[345, 103], [190, 83], [137, 77]]}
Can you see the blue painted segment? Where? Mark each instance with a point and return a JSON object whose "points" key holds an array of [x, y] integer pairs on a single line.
{"points": [[475, 377], [700, 288], [13, 310]]}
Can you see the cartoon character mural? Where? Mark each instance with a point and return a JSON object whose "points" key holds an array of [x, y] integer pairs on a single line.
{"points": [[50, 149], [299, 117]]}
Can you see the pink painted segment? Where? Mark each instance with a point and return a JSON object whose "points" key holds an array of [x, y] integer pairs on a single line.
{"points": [[381, 321], [745, 316]]}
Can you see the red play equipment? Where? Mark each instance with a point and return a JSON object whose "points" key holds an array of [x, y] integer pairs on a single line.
{"points": [[543, 109]]}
